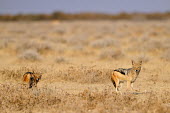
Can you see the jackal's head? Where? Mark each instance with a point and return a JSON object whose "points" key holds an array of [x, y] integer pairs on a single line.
{"points": [[38, 77], [136, 65], [34, 80]]}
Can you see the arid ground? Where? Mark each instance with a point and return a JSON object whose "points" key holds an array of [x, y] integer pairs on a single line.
{"points": [[76, 59]]}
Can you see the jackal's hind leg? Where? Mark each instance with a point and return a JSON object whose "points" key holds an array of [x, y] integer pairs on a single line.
{"points": [[114, 84], [115, 81], [117, 85]]}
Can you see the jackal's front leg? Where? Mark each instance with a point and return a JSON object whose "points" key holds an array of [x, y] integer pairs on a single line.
{"points": [[133, 88], [129, 85]]}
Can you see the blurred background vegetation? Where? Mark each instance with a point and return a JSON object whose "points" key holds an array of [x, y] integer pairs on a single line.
{"points": [[86, 16]]}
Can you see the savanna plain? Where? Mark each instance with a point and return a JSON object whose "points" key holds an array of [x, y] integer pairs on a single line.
{"points": [[76, 59]]}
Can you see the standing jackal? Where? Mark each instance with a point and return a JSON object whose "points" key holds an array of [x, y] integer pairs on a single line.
{"points": [[130, 75], [31, 78]]}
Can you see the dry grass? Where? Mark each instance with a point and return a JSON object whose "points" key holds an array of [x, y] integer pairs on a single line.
{"points": [[166, 55], [104, 42], [84, 74], [76, 59], [61, 60], [20, 99], [31, 55], [111, 54]]}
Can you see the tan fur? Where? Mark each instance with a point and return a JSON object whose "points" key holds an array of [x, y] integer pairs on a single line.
{"points": [[31, 78], [117, 77]]}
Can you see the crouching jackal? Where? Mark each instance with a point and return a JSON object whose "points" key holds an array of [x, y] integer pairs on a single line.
{"points": [[130, 75], [31, 78]]}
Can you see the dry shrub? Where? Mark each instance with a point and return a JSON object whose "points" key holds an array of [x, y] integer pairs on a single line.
{"points": [[166, 55], [78, 48], [166, 43], [143, 58], [144, 39], [44, 47], [82, 40], [61, 49], [30, 55], [146, 44], [5, 42], [59, 40], [25, 45], [111, 54], [61, 30], [61, 60], [105, 42], [39, 47], [85, 74], [154, 45]]}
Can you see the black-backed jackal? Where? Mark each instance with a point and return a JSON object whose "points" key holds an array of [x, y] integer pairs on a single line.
{"points": [[129, 75], [31, 78]]}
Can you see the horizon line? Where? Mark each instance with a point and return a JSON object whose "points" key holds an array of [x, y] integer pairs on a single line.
{"points": [[83, 12]]}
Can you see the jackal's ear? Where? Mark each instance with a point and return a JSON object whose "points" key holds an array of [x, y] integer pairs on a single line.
{"points": [[40, 76], [132, 62], [140, 62]]}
